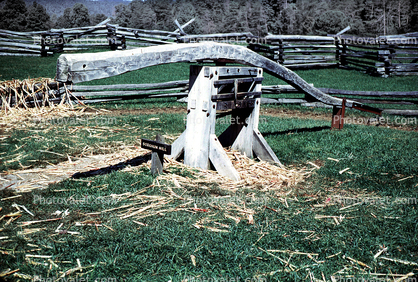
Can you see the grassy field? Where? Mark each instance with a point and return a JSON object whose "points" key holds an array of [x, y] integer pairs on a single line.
{"points": [[331, 224]]}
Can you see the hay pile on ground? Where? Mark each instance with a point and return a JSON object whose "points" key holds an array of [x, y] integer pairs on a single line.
{"points": [[30, 93]]}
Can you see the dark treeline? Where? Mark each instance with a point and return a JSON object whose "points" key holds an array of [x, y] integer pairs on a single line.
{"points": [[366, 17]]}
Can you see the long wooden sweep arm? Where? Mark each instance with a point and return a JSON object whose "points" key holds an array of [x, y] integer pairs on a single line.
{"points": [[74, 68]]}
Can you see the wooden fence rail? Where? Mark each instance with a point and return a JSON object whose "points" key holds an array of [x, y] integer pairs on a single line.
{"points": [[53, 92], [297, 52], [395, 55], [382, 56]]}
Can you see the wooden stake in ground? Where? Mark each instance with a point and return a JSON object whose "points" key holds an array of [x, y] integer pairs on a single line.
{"points": [[159, 148]]}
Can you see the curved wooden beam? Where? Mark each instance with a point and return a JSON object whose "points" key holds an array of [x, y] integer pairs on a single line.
{"points": [[85, 67]]}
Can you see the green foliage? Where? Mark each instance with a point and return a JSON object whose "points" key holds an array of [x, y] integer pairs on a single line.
{"points": [[97, 18], [13, 15], [77, 16], [37, 19]]}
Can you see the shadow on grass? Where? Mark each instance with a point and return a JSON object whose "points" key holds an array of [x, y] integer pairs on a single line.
{"points": [[106, 170], [298, 130]]}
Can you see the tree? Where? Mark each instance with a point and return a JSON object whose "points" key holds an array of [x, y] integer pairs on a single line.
{"points": [[142, 15], [37, 19], [77, 16], [183, 11], [123, 15], [65, 21], [80, 15], [97, 18], [331, 22], [13, 15], [164, 17]]}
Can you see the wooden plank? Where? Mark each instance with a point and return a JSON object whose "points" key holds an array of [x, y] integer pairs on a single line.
{"points": [[21, 50], [234, 71], [23, 45], [289, 63], [84, 67], [311, 65], [400, 112], [299, 37], [410, 94], [220, 159], [146, 31], [215, 35], [200, 120], [148, 40], [177, 148], [306, 46], [19, 54], [262, 149], [169, 84], [305, 52], [308, 57], [123, 93], [398, 73], [157, 157], [184, 25], [157, 145], [359, 62], [397, 102]]}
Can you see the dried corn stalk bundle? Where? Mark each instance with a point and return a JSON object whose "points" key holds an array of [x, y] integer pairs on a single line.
{"points": [[30, 93]]}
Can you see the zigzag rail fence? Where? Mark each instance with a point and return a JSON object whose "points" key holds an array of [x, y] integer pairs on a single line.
{"points": [[35, 94], [395, 55]]}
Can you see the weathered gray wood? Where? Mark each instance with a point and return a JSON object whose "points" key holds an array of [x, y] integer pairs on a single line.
{"points": [[148, 40], [304, 46], [262, 149], [304, 51], [123, 93], [137, 34], [185, 25], [308, 57], [200, 120], [281, 88], [311, 65], [180, 28], [397, 102], [344, 30], [202, 37], [129, 86], [400, 112], [84, 67], [220, 159], [23, 45], [162, 32], [177, 148], [157, 159], [410, 94], [19, 33], [20, 50], [19, 54], [299, 37]]}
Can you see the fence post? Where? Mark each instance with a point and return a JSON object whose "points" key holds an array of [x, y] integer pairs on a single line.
{"points": [[44, 52], [281, 52]]}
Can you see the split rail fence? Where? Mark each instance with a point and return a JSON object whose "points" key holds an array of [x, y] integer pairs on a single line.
{"points": [[52, 92], [395, 55]]}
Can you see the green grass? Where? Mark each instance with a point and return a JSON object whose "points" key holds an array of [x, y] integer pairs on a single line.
{"points": [[382, 165], [161, 251], [30, 146]]}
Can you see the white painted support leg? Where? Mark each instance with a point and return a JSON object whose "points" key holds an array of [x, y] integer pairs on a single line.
{"points": [[262, 149], [201, 119], [244, 141], [177, 148], [220, 159]]}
